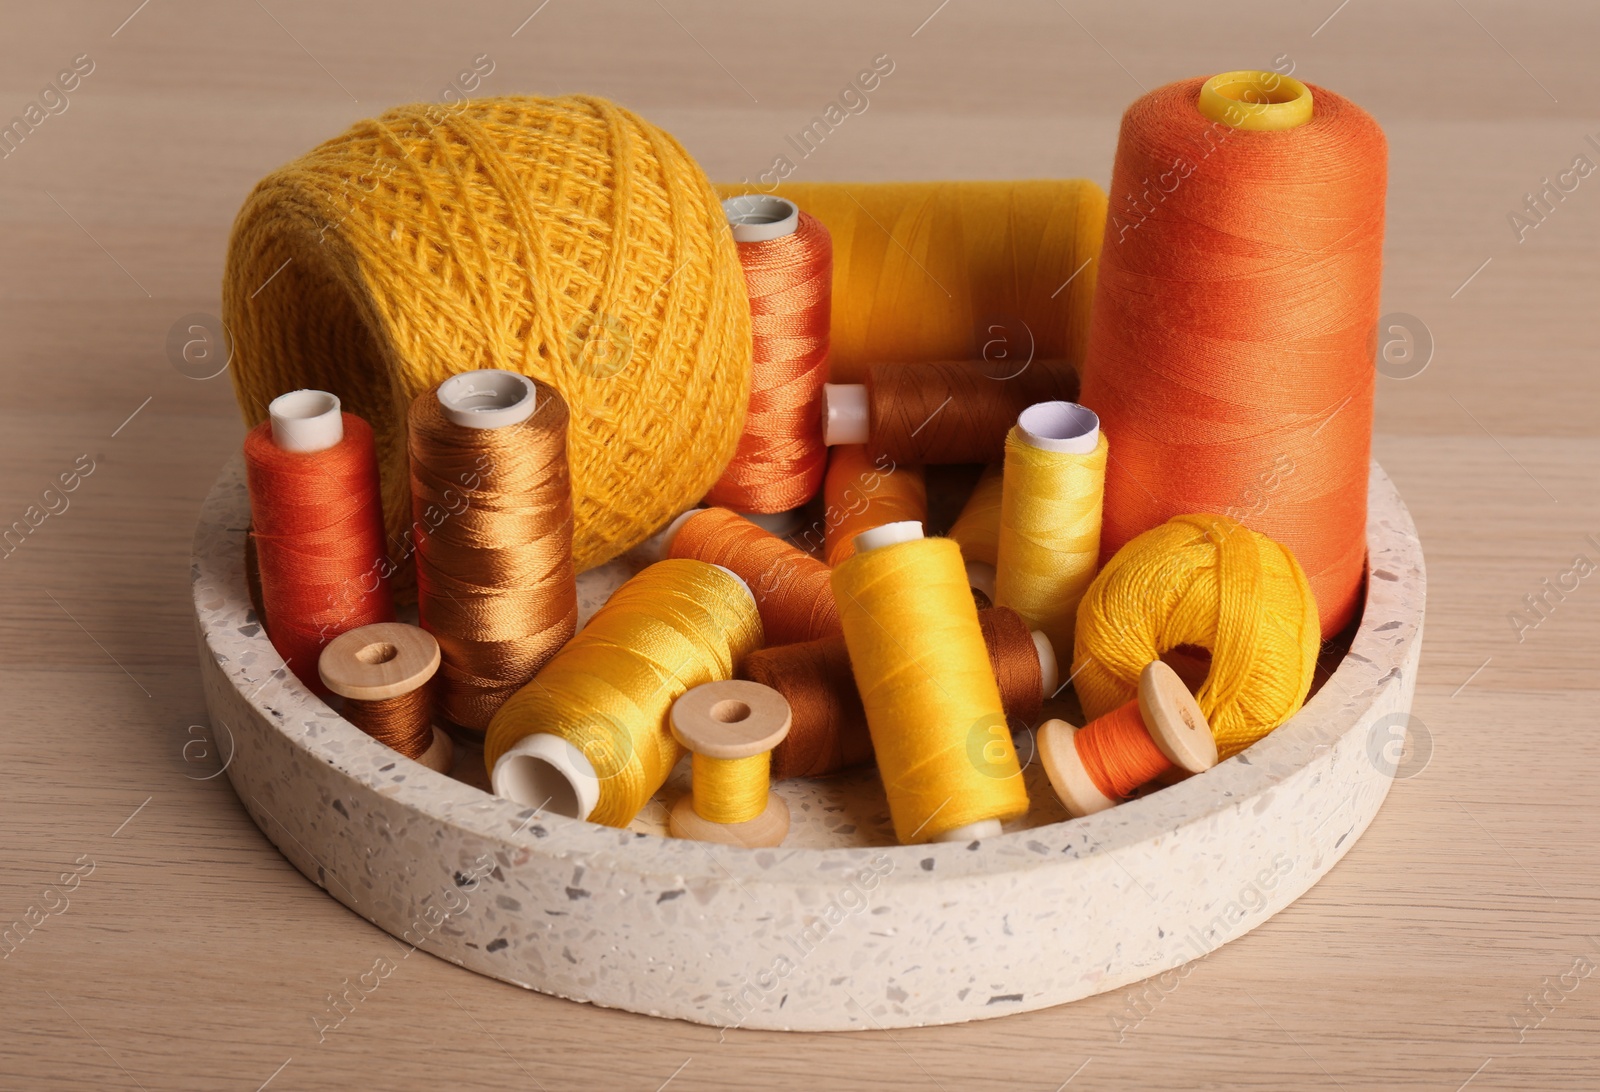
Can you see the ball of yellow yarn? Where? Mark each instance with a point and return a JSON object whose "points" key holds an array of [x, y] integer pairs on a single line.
{"points": [[565, 238], [1208, 582]]}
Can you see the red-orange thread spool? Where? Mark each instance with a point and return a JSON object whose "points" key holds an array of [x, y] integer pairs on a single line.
{"points": [[1231, 344], [793, 590], [861, 492], [788, 271], [317, 523]]}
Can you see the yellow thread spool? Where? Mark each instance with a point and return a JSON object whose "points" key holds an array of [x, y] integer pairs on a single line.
{"points": [[588, 737], [730, 728], [1052, 494], [977, 530], [938, 727], [1256, 101]]}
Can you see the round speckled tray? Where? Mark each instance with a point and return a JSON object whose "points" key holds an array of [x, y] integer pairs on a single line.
{"points": [[838, 928]]}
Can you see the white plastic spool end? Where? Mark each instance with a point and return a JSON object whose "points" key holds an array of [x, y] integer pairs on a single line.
{"points": [[905, 530], [488, 398], [306, 420], [844, 413], [670, 535], [1049, 667], [1064, 427], [760, 217], [546, 772]]}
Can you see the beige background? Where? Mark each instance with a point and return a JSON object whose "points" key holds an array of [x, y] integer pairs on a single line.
{"points": [[193, 956]]}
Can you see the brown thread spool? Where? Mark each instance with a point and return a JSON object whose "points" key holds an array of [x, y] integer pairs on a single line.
{"points": [[829, 732], [730, 728], [382, 672], [793, 590], [1173, 724], [492, 502], [952, 411]]}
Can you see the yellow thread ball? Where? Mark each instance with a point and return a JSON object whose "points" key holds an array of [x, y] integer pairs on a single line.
{"points": [[565, 238], [1208, 582]]}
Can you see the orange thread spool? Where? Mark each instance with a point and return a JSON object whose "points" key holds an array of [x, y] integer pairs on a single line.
{"points": [[828, 727], [317, 524], [1118, 753], [1231, 344], [948, 411], [862, 492], [793, 590], [788, 271]]}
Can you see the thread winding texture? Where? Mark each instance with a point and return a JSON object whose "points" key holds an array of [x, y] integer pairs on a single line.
{"points": [[938, 729], [318, 534], [730, 790], [780, 459], [566, 239], [862, 491], [1206, 582], [493, 530], [955, 411], [927, 271], [1233, 329], [792, 589], [403, 722], [977, 529], [675, 625], [828, 726], [1049, 544], [1118, 754]]}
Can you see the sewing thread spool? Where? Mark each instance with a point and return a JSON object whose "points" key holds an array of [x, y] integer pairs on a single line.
{"points": [[792, 588], [1202, 582], [588, 736], [317, 526], [861, 492], [787, 259], [828, 730], [382, 672], [977, 531], [953, 270], [948, 411], [943, 747], [730, 729], [493, 527], [1231, 350], [1099, 765], [1049, 543]]}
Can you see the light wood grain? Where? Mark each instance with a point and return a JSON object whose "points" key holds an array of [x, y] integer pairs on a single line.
{"points": [[194, 956]]}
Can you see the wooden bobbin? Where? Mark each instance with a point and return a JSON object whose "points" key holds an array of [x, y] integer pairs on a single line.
{"points": [[1170, 714], [386, 660], [731, 719]]}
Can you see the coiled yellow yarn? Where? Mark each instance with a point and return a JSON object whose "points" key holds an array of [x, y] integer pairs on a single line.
{"points": [[731, 790], [956, 270], [933, 707], [977, 529], [1049, 542], [675, 625], [1212, 583], [564, 238]]}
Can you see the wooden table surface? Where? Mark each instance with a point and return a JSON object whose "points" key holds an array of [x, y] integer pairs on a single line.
{"points": [[191, 955]]}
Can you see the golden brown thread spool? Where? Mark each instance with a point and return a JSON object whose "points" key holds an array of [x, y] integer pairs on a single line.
{"points": [[730, 728], [829, 732], [382, 671], [493, 509], [952, 411], [1172, 719]]}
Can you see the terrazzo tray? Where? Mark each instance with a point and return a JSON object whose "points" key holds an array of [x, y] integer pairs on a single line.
{"points": [[839, 928]]}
